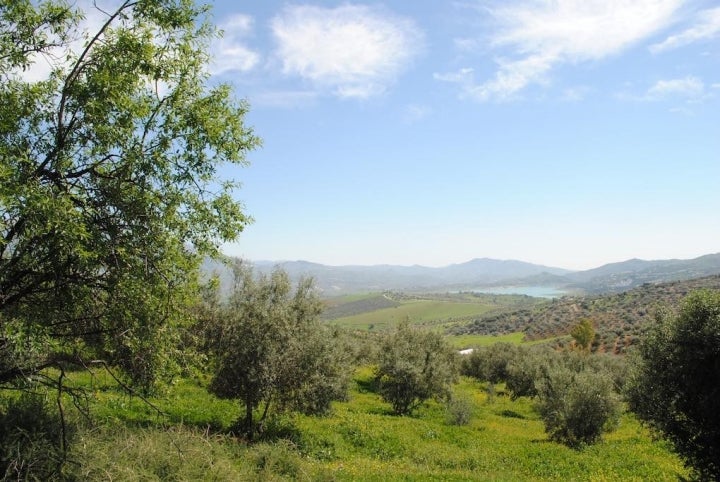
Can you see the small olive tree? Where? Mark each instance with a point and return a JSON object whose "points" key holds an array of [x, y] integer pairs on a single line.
{"points": [[415, 366], [270, 351], [577, 406], [490, 363], [583, 333], [675, 382]]}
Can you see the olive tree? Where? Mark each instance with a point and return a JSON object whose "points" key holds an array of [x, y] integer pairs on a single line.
{"points": [[110, 192], [577, 405], [270, 351], [675, 382], [583, 333], [415, 366]]}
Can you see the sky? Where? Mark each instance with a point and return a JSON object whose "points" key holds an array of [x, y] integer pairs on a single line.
{"points": [[569, 133], [566, 133]]}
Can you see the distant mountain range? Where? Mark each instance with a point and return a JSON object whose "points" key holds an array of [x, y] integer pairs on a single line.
{"points": [[484, 272], [617, 277], [353, 279]]}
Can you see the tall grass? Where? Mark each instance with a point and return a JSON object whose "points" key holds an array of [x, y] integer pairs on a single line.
{"points": [[360, 440]]}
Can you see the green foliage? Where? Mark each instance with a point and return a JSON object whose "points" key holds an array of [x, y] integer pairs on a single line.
{"points": [[676, 381], [459, 410], [414, 366], [110, 193], [489, 363], [583, 333], [526, 368], [269, 349], [33, 439], [577, 407]]}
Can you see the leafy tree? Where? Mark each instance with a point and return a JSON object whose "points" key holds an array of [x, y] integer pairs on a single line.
{"points": [[110, 194], [675, 385], [414, 366], [583, 333], [270, 350], [577, 406], [526, 368], [490, 363]]}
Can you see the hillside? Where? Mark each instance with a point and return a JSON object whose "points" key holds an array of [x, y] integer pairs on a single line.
{"points": [[481, 273], [339, 280], [617, 277], [618, 318]]}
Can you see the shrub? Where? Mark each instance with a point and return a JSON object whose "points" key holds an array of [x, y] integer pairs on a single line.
{"points": [[675, 383], [459, 411], [414, 366], [489, 363], [577, 406], [270, 350], [526, 369]]}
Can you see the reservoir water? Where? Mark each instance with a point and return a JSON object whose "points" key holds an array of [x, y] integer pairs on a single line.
{"points": [[536, 291]]}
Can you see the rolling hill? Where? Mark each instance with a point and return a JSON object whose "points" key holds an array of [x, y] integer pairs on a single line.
{"points": [[484, 272], [618, 318]]}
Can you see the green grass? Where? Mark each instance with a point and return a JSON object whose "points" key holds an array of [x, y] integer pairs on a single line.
{"points": [[468, 341], [421, 311], [361, 440], [504, 441]]}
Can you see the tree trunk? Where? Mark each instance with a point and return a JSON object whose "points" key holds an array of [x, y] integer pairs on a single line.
{"points": [[248, 423]]}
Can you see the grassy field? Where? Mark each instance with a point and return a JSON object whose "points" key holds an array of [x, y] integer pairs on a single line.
{"points": [[424, 312], [468, 341], [382, 311], [361, 440]]}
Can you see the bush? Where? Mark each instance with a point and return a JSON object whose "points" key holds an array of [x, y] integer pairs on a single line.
{"points": [[577, 406], [32, 440], [675, 383], [489, 363], [459, 411], [414, 366], [526, 369]]}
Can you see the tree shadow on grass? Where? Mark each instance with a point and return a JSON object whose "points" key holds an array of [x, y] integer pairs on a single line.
{"points": [[368, 385], [512, 414]]}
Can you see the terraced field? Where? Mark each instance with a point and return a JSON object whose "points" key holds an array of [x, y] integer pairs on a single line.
{"points": [[380, 312]]}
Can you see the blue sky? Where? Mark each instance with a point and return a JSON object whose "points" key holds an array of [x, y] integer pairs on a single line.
{"points": [[567, 133]]}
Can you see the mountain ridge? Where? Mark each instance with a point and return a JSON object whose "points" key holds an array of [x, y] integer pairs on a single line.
{"points": [[486, 272]]}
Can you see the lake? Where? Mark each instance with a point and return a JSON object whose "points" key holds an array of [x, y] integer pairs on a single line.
{"points": [[535, 291]]}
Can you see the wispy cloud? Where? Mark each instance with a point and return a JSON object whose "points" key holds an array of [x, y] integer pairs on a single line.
{"points": [[687, 87], [230, 53], [352, 50], [534, 37], [706, 26], [687, 90], [415, 113]]}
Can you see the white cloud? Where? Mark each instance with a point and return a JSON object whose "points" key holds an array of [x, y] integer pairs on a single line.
{"points": [[575, 94], [707, 26], [416, 113], [542, 34], [229, 52], [352, 50], [688, 87]]}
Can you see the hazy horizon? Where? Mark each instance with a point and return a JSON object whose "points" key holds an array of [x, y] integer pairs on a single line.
{"points": [[563, 133], [300, 260]]}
